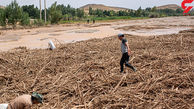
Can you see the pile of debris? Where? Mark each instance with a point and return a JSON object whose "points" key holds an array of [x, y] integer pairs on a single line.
{"points": [[86, 74]]}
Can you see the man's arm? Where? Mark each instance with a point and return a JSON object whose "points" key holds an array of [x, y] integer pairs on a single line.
{"points": [[28, 107], [129, 50]]}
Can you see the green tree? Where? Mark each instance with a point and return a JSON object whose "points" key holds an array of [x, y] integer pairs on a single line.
{"points": [[90, 11], [112, 13], [38, 22], [2, 17], [55, 14], [154, 9], [80, 13], [13, 13], [68, 10], [99, 13], [70, 17], [32, 11], [25, 20], [154, 15], [123, 13], [179, 10], [131, 12], [139, 12], [148, 9], [168, 12], [65, 17], [106, 13]]}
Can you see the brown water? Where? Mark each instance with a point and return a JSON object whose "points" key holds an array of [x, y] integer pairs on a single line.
{"points": [[39, 37]]}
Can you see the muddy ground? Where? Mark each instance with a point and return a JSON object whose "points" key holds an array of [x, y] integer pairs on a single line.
{"points": [[85, 74], [67, 33]]}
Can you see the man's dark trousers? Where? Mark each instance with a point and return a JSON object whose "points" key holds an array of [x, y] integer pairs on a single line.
{"points": [[125, 60]]}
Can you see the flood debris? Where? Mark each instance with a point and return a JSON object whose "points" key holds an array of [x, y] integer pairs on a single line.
{"points": [[76, 77]]}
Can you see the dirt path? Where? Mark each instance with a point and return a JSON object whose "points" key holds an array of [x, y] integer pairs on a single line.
{"points": [[39, 37]]}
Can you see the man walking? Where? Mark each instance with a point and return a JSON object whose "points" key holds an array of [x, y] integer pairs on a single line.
{"points": [[126, 52], [23, 102]]}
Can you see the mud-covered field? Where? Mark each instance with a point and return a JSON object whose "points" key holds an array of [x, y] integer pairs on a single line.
{"points": [[32, 38], [86, 74]]}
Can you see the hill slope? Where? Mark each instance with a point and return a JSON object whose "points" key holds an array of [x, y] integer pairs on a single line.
{"points": [[170, 6], [102, 7], [2, 6]]}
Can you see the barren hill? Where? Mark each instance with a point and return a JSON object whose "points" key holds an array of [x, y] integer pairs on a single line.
{"points": [[102, 7], [2, 6], [170, 6]]}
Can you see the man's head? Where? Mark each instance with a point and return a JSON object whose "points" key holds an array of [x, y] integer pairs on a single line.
{"points": [[120, 36], [36, 98]]}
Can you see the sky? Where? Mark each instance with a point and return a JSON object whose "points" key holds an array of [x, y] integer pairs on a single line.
{"points": [[131, 4]]}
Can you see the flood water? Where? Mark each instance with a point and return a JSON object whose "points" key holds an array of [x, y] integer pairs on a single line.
{"points": [[39, 37]]}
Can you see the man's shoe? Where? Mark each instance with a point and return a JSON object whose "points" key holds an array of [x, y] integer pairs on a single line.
{"points": [[121, 71]]}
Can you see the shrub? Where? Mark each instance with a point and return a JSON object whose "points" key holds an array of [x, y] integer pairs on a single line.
{"points": [[55, 14], [2, 17], [13, 13], [25, 20], [154, 15], [38, 22]]}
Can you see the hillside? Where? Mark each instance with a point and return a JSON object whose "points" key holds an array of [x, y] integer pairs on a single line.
{"points": [[170, 6], [2, 6], [102, 7]]}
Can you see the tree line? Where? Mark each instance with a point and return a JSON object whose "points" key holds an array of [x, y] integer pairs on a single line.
{"points": [[14, 14], [148, 12]]}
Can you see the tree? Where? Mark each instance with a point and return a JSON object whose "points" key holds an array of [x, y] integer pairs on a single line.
{"points": [[25, 20], [2, 17], [106, 13], [154, 9], [68, 10], [144, 13], [32, 11], [13, 13], [80, 13], [154, 15], [112, 13], [123, 13], [131, 12], [90, 11], [63, 9], [148, 9], [99, 12], [38, 22], [43, 13], [73, 11], [55, 14], [169, 12], [139, 12], [179, 10]]}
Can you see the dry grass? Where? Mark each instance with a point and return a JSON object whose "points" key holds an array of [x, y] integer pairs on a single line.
{"points": [[86, 74]]}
